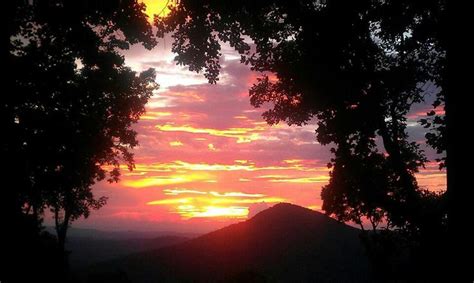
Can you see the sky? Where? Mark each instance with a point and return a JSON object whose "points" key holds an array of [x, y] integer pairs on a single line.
{"points": [[207, 159]]}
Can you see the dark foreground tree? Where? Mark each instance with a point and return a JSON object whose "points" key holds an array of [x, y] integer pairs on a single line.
{"points": [[68, 109], [355, 66]]}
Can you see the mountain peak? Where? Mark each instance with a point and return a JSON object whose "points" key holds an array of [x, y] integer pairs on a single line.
{"points": [[286, 207], [283, 211], [286, 241]]}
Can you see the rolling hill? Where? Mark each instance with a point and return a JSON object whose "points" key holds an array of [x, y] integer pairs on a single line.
{"points": [[85, 251], [285, 243]]}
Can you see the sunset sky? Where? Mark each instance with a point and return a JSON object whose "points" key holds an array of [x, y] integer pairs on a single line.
{"points": [[206, 157]]}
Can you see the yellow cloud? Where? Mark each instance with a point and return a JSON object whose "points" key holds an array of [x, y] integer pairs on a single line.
{"points": [[179, 166], [175, 192], [216, 200], [318, 179], [292, 161], [243, 135], [289, 179], [166, 180], [191, 211], [216, 211], [176, 143], [236, 194], [170, 201], [211, 147], [315, 207], [247, 201], [214, 205], [153, 115], [273, 176]]}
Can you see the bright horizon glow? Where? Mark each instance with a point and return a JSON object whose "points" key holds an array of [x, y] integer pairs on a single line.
{"points": [[190, 211], [214, 204]]}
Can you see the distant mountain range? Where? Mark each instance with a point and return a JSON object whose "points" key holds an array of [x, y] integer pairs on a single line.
{"points": [[120, 234], [85, 251], [91, 246], [285, 243]]}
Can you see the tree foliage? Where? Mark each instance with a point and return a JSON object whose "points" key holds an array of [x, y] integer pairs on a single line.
{"points": [[357, 68], [71, 103]]}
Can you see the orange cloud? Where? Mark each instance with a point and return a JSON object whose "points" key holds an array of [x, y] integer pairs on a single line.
{"points": [[431, 177]]}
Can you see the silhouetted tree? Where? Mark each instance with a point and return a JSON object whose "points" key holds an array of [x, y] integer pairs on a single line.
{"points": [[355, 66], [70, 104]]}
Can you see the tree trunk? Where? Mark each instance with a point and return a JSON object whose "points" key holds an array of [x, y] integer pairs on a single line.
{"points": [[407, 182], [61, 230]]}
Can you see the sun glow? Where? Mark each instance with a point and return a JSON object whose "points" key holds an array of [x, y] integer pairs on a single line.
{"points": [[214, 204], [190, 211], [232, 211], [157, 7], [215, 201]]}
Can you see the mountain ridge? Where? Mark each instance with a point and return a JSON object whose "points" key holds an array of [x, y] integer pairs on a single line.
{"points": [[283, 243]]}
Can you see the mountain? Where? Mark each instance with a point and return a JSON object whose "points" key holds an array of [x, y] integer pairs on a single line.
{"points": [[90, 246], [85, 251], [285, 243], [119, 234]]}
